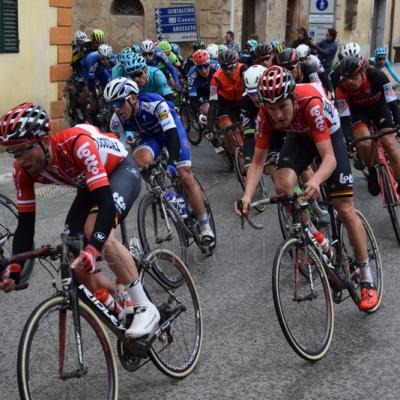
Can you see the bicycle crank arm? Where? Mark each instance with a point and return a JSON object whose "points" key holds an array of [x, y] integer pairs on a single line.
{"points": [[307, 297], [75, 374], [167, 238]]}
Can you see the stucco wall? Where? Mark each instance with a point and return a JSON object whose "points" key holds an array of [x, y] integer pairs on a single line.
{"points": [[25, 75]]}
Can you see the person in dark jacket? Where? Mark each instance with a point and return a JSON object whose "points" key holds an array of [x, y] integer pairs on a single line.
{"points": [[302, 38], [326, 49]]}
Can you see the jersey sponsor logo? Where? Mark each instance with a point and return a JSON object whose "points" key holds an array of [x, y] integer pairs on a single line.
{"points": [[90, 159], [318, 117], [100, 236], [163, 115], [345, 179], [328, 108], [107, 143]]}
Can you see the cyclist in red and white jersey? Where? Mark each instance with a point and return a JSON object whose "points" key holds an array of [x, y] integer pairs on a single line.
{"points": [[313, 127], [107, 183]]}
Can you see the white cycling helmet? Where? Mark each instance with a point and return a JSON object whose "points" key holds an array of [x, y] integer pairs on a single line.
{"points": [[120, 89], [105, 50], [351, 49], [252, 78], [80, 37], [303, 51], [212, 50], [147, 46]]}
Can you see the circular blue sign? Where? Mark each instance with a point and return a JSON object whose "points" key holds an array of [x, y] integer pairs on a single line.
{"points": [[322, 5]]}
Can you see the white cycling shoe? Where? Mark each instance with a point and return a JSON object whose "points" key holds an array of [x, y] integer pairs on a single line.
{"points": [[144, 321]]}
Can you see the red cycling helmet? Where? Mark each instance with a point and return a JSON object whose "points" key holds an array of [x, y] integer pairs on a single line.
{"points": [[276, 84], [201, 57], [23, 123]]}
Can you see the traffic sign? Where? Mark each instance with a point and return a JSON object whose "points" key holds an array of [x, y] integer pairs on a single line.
{"points": [[176, 22]]}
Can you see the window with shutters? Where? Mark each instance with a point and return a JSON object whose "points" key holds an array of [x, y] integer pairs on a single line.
{"points": [[9, 41], [127, 7]]}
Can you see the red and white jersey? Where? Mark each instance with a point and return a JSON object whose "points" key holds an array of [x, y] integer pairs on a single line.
{"points": [[314, 116], [81, 157]]}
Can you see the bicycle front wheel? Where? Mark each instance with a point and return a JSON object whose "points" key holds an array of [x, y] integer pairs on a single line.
{"points": [[302, 299], [48, 357], [350, 268], [176, 352], [391, 204]]}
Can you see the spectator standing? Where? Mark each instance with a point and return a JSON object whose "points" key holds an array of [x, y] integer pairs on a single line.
{"points": [[326, 49], [230, 42], [302, 38]]}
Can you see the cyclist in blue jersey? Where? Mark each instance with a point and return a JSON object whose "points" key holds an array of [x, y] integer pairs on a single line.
{"points": [[155, 124], [154, 56], [118, 68], [380, 61], [199, 78], [149, 79]]}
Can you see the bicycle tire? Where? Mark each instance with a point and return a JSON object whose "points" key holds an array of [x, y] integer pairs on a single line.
{"points": [[26, 353], [8, 225], [239, 166], [375, 262], [193, 132], [392, 206], [165, 355], [285, 221], [308, 344], [150, 203]]}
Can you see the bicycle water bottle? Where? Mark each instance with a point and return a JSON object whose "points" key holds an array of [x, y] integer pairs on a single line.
{"points": [[123, 298], [181, 206], [324, 243], [109, 302], [170, 197]]}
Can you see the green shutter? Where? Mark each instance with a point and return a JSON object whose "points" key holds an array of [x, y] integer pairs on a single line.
{"points": [[9, 42]]}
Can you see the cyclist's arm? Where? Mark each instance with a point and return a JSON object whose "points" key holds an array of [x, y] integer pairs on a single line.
{"points": [[390, 98], [344, 113], [160, 82], [170, 68], [391, 70], [23, 238], [247, 118], [212, 111]]}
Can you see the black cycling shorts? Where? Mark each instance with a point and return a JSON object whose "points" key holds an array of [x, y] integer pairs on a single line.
{"points": [[299, 151], [231, 109], [379, 114], [125, 182]]}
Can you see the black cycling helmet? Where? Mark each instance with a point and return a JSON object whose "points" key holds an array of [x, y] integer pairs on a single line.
{"points": [[263, 50], [351, 65], [227, 58], [198, 45], [287, 58]]}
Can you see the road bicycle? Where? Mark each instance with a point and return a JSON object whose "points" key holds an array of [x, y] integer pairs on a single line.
{"points": [[306, 282], [8, 225], [162, 223], [387, 182], [65, 351]]}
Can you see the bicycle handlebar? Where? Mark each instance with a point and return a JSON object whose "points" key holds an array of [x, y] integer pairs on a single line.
{"points": [[228, 128], [375, 137]]}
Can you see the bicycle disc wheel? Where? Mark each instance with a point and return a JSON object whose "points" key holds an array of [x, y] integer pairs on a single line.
{"points": [[392, 206], [159, 230], [48, 346], [177, 352], [303, 303], [348, 261], [8, 225]]}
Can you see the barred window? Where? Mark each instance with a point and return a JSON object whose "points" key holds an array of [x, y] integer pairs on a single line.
{"points": [[9, 41], [127, 7]]}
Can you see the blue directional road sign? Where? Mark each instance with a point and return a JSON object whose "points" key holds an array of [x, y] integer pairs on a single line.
{"points": [[178, 23]]}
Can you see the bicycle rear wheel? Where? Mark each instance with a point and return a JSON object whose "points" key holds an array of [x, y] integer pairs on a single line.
{"points": [[47, 349], [176, 353], [8, 225], [391, 204], [239, 166], [349, 263], [303, 302]]}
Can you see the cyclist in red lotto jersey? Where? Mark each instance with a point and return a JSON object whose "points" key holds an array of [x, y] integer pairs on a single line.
{"points": [[365, 95], [107, 183], [313, 127]]}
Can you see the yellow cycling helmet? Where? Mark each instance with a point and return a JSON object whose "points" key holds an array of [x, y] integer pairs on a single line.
{"points": [[97, 36]]}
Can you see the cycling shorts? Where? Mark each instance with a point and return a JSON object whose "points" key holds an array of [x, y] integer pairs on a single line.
{"points": [[379, 114], [299, 151], [125, 182], [155, 143], [230, 109]]}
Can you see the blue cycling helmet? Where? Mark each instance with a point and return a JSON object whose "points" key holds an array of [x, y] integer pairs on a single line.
{"points": [[136, 48], [122, 56], [175, 48], [134, 63], [380, 52]]}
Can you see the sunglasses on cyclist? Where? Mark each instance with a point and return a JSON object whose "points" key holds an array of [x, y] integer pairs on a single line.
{"points": [[204, 66], [380, 58], [118, 103], [148, 54], [136, 74], [229, 67], [267, 58], [22, 152]]}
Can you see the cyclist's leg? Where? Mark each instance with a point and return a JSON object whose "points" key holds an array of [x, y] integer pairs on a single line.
{"points": [[145, 150], [360, 128]]}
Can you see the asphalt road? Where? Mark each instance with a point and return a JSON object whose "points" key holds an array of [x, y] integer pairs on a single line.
{"points": [[245, 355]]}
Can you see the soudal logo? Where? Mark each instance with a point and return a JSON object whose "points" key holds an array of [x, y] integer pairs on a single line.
{"points": [[344, 179], [90, 159], [319, 119]]}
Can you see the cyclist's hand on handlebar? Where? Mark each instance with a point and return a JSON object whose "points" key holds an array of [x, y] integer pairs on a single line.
{"points": [[242, 206], [311, 190], [10, 278], [86, 261]]}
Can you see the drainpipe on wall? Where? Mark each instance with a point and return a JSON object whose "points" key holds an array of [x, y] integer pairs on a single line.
{"points": [[232, 18], [391, 30]]}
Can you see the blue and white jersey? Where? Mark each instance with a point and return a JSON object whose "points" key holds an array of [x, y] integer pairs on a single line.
{"points": [[198, 85], [93, 70], [155, 117]]}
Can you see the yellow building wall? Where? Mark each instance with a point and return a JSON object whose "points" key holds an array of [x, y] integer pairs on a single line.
{"points": [[25, 76]]}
